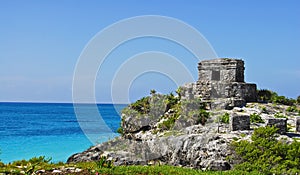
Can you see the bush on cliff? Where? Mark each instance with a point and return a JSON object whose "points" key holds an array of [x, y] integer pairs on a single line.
{"points": [[255, 118], [171, 101], [267, 96], [266, 154], [264, 95], [202, 116], [283, 100], [224, 118], [169, 123], [142, 105], [292, 109]]}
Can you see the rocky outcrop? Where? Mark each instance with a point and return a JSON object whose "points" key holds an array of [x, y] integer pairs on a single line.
{"points": [[187, 143], [195, 146], [185, 130]]}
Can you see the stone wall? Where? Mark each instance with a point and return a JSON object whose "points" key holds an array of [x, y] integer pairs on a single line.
{"points": [[280, 123], [239, 122], [298, 124], [221, 80], [226, 70]]}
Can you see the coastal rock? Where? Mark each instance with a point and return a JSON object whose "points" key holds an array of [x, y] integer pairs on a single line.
{"points": [[190, 148], [165, 128], [187, 144], [134, 121]]}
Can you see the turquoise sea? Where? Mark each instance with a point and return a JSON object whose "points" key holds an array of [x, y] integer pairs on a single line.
{"points": [[48, 129]]}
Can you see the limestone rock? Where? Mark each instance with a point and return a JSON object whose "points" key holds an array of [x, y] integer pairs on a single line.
{"points": [[239, 122], [298, 124], [185, 142], [202, 150], [280, 123]]}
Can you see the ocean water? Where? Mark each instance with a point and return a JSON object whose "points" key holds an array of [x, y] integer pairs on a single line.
{"points": [[48, 129]]}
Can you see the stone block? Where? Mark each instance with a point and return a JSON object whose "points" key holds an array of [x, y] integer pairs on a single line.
{"points": [[280, 123], [298, 124], [239, 122]]}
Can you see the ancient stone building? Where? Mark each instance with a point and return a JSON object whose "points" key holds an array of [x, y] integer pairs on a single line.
{"points": [[221, 83]]}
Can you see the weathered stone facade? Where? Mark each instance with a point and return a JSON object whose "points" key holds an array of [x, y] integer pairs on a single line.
{"points": [[280, 123], [298, 124], [221, 83], [239, 122]]}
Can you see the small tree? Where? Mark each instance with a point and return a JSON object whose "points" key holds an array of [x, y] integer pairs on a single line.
{"points": [[203, 116], [152, 92], [264, 95], [178, 92]]}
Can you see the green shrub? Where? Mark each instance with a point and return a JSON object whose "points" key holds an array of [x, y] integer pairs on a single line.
{"points": [[1, 164], [298, 99], [292, 109], [178, 92], [243, 135], [40, 159], [152, 91], [203, 116], [169, 123], [264, 95], [235, 138], [266, 154], [279, 115], [264, 110], [142, 106], [255, 118], [283, 100], [171, 101], [104, 163], [120, 130], [224, 118]]}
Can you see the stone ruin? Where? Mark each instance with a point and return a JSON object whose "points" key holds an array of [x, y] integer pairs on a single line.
{"points": [[298, 124], [279, 123], [239, 122], [221, 84]]}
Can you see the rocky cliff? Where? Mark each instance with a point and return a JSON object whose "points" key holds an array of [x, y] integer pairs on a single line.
{"points": [[195, 127], [164, 129]]}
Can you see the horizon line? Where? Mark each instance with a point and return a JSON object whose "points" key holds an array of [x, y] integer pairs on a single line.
{"points": [[61, 102]]}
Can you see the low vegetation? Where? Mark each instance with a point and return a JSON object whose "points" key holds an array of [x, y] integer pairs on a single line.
{"points": [[142, 106], [268, 96], [255, 118], [202, 116], [224, 118], [293, 109], [279, 115], [267, 154], [104, 167], [171, 101], [169, 122]]}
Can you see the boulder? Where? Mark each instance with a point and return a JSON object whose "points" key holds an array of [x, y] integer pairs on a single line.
{"points": [[239, 122], [280, 123]]}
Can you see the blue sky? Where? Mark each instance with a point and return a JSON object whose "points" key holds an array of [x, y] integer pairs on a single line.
{"points": [[40, 42]]}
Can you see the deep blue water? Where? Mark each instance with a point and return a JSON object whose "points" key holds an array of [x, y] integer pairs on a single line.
{"points": [[48, 129]]}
